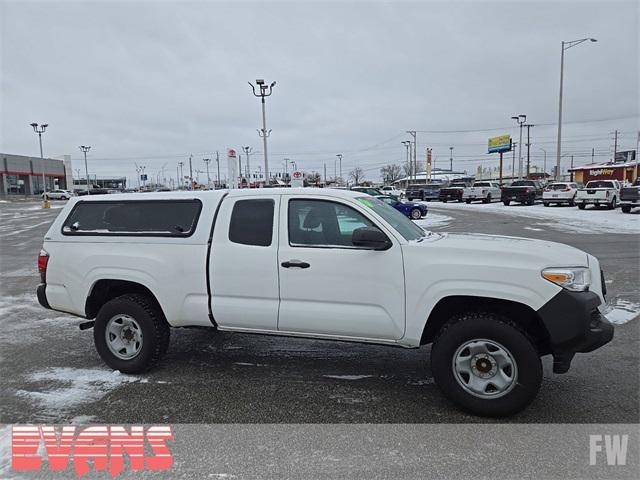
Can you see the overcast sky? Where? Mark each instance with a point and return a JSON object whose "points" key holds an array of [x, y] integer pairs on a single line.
{"points": [[152, 82]]}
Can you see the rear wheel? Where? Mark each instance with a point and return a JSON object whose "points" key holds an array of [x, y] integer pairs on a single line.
{"points": [[487, 200], [612, 204], [415, 214], [485, 364], [131, 333], [531, 200], [572, 202], [444, 200], [468, 201], [506, 202], [546, 204], [626, 208]]}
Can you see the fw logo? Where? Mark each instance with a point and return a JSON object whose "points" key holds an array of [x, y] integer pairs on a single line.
{"points": [[103, 447], [615, 448]]}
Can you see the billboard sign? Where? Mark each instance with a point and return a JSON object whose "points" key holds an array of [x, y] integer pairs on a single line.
{"points": [[501, 143]]}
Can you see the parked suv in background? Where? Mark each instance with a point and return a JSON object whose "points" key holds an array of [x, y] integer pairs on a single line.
{"points": [[630, 197], [559, 193], [57, 195]]}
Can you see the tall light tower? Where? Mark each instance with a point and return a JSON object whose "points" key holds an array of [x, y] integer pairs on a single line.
{"points": [[339, 155], [413, 133], [265, 91], [40, 129], [247, 151], [520, 119], [207, 161], [85, 150], [565, 46], [451, 159]]}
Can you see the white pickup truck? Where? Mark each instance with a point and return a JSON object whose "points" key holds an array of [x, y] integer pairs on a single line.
{"points": [[308, 263], [599, 192], [485, 191]]}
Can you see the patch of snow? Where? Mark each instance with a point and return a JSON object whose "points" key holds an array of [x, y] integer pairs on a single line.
{"points": [[348, 377], [247, 364], [426, 381], [73, 386], [534, 229], [622, 312], [434, 220], [565, 219], [5, 452]]}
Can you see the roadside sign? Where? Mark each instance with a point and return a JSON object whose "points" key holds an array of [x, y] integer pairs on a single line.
{"points": [[232, 168], [501, 143], [143, 177], [297, 179]]}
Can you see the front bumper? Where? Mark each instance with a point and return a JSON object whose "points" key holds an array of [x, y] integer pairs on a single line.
{"points": [[42, 296], [575, 325]]}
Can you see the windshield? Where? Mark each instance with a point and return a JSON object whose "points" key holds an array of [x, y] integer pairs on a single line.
{"points": [[482, 184], [404, 226], [522, 183]]}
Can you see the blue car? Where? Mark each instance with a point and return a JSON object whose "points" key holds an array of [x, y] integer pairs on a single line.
{"points": [[415, 211]]}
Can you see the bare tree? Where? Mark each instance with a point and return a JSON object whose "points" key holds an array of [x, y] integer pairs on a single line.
{"points": [[357, 175], [390, 173], [313, 178], [406, 169]]}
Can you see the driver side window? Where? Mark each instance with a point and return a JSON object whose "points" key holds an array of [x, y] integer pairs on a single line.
{"points": [[321, 223]]}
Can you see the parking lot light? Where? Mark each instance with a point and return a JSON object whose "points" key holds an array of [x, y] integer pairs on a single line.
{"points": [[40, 129], [85, 149]]}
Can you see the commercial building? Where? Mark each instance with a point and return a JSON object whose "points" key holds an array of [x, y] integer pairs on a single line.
{"points": [[624, 169], [21, 175]]}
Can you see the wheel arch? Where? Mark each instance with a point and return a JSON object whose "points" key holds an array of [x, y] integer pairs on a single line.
{"points": [[107, 289], [521, 314]]}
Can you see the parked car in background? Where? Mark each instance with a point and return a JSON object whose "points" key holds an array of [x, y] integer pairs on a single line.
{"points": [[522, 191], [368, 190], [57, 195], [485, 191], [630, 196], [424, 191], [599, 192], [560, 193], [391, 190], [93, 191], [453, 192], [415, 211]]}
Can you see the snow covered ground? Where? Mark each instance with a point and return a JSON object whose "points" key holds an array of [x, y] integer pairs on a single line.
{"points": [[434, 220], [567, 219], [622, 311]]}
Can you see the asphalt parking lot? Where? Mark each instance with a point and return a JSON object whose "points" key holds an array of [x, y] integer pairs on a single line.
{"points": [[51, 372]]}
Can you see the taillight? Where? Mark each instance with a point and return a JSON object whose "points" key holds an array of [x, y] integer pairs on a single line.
{"points": [[43, 260], [566, 189]]}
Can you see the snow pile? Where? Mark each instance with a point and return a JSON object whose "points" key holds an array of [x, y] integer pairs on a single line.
{"points": [[434, 220], [68, 387], [564, 219], [622, 311], [348, 377]]}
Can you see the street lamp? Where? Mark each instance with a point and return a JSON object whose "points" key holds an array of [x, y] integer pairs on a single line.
{"points": [[544, 164], [85, 149], [247, 151], [339, 155], [407, 145], [265, 91], [206, 161], [520, 119], [565, 46], [40, 129], [451, 159]]}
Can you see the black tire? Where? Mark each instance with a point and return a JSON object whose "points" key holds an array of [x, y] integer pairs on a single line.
{"points": [[415, 214], [153, 325], [506, 202], [444, 200], [612, 205], [487, 200], [531, 200], [546, 204], [581, 206], [572, 202], [468, 201], [491, 327], [626, 208]]}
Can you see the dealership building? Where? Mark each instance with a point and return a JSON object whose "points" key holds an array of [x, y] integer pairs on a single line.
{"points": [[624, 169], [21, 175]]}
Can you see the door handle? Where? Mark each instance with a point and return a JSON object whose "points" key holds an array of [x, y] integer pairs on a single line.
{"points": [[295, 263]]}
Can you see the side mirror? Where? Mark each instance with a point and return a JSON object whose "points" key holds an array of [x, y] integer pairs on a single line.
{"points": [[371, 238]]}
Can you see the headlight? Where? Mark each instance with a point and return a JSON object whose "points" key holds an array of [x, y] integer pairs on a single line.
{"points": [[576, 279]]}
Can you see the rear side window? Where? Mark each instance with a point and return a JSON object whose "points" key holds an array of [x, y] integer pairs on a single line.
{"points": [[153, 218], [252, 222]]}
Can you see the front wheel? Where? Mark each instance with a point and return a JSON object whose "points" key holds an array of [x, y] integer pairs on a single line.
{"points": [[626, 208], [581, 206], [506, 202], [612, 205], [415, 214], [131, 333], [444, 200], [546, 204], [468, 201], [486, 365], [487, 200]]}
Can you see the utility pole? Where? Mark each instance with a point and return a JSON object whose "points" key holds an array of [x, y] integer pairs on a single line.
{"points": [[85, 149], [413, 133], [240, 168], [571, 178], [451, 159], [520, 119], [615, 145], [190, 173], [177, 176], [247, 151], [529, 148], [544, 168], [206, 161], [339, 155], [180, 164], [407, 146], [593, 153], [513, 162], [325, 174], [218, 165], [285, 173], [265, 91]]}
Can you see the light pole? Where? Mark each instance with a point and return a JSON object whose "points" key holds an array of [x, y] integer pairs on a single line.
{"points": [[415, 159], [520, 119], [218, 166], [544, 164], [407, 146], [181, 164], [451, 159], [295, 165], [247, 151], [206, 161], [565, 46], [85, 149], [339, 155], [40, 129], [265, 91]]}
